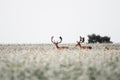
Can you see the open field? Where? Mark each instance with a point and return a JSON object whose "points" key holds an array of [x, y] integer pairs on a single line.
{"points": [[43, 62]]}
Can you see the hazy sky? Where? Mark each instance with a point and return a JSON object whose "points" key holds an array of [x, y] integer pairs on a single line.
{"points": [[35, 21]]}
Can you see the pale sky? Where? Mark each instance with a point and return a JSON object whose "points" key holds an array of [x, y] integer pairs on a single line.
{"points": [[35, 21]]}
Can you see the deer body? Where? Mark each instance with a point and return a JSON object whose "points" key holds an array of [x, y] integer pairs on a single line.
{"points": [[56, 44], [82, 47]]}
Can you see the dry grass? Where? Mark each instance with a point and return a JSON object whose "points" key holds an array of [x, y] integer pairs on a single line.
{"points": [[43, 62]]}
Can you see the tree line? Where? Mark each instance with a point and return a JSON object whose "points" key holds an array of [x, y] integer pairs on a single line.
{"points": [[93, 38]]}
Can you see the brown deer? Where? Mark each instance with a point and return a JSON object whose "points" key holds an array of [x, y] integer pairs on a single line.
{"points": [[56, 43], [82, 47]]}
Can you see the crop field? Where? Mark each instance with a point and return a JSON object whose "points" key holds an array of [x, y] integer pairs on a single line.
{"points": [[44, 62]]}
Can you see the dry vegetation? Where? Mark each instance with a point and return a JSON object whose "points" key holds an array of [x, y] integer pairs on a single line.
{"points": [[43, 62]]}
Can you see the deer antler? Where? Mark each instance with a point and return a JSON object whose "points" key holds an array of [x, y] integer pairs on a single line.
{"points": [[52, 39], [57, 41], [82, 39], [60, 39]]}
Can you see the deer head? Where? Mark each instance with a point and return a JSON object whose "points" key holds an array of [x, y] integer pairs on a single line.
{"points": [[78, 42], [58, 42]]}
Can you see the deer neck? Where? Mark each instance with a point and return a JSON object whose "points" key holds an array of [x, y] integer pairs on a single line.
{"points": [[57, 46], [79, 44]]}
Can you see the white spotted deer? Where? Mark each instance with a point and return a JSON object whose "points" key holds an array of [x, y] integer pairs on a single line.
{"points": [[82, 47], [56, 43]]}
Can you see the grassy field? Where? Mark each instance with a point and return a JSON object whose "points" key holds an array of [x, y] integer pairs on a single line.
{"points": [[43, 62]]}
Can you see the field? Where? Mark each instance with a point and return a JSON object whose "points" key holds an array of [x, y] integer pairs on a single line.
{"points": [[44, 62]]}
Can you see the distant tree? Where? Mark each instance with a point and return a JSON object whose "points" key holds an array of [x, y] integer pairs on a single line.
{"points": [[105, 39], [93, 38]]}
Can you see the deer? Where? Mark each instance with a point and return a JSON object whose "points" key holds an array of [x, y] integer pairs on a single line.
{"points": [[82, 47], [56, 43]]}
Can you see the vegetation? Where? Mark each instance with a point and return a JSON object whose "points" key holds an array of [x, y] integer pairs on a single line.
{"points": [[43, 62], [93, 38]]}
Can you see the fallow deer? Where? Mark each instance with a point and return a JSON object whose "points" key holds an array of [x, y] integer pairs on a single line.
{"points": [[82, 47], [56, 43]]}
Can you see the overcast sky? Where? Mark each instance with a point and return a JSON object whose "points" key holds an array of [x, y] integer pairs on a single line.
{"points": [[35, 21]]}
